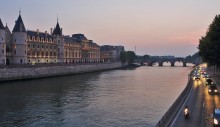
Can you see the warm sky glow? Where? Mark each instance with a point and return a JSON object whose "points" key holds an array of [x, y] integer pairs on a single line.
{"points": [[155, 27]]}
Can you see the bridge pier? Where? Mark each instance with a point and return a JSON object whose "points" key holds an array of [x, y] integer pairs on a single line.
{"points": [[184, 64], [160, 64], [172, 64], [150, 64]]}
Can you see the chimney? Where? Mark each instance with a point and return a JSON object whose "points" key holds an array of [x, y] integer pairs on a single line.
{"points": [[61, 31], [37, 31], [46, 32], [51, 29]]}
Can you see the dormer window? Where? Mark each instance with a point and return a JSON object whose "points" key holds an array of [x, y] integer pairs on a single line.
{"points": [[42, 39], [33, 38]]}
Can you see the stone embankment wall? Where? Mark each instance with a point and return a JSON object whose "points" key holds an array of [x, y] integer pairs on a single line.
{"points": [[15, 73]]}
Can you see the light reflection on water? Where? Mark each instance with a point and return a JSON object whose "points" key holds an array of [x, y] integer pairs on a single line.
{"points": [[137, 97]]}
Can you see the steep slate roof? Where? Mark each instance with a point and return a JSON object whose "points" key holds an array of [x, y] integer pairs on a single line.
{"points": [[1, 25], [79, 37], [38, 34], [57, 30], [19, 25]]}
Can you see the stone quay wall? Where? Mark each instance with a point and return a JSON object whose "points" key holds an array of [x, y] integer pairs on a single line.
{"points": [[31, 71]]}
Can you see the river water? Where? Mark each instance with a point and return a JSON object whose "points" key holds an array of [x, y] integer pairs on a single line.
{"points": [[118, 98]]}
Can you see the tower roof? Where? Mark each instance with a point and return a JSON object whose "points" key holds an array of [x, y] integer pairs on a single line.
{"points": [[57, 30], [1, 24], [19, 25]]}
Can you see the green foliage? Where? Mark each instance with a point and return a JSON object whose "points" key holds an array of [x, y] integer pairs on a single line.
{"points": [[191, 58], [209, 45], [127, 56], [123, 57], [130, 56], [146, 57]]}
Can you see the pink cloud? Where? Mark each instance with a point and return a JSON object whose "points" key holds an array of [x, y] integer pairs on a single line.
{"points": [[190, 37]]}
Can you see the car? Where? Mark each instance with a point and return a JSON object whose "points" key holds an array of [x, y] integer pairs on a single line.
{"points": [[205, 75], [216, 117], [197, 77], [209, 82], [212, 89]]}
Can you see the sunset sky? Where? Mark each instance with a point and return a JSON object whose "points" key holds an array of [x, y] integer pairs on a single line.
{"points": [[154, 27]]}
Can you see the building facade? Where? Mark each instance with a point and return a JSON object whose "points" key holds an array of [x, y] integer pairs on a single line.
{"points": [[110, 53], [2, 45], [34, 47]]}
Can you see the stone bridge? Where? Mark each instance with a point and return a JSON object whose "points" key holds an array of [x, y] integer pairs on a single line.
{"points": [[170, 60]]}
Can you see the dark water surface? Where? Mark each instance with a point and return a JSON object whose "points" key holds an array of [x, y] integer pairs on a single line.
{"points": [[118, 98]]}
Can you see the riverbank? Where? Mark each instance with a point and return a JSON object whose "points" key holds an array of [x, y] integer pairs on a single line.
{"points": [[30, 72]]}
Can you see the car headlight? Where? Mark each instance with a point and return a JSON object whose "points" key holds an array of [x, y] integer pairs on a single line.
{"points": [[209, 90], [216, 91], [215, 121], [211, 82]]}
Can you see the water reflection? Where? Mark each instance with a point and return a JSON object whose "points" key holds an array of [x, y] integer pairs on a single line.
{"points": [[137, 97], [36, 100]]}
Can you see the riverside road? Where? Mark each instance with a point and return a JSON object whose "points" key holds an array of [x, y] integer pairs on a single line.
{"points": [[201, 106]]}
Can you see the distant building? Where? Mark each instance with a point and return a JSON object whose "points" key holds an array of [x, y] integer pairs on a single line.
{"points": [[26, 46], [110, 53], [2, 44]]}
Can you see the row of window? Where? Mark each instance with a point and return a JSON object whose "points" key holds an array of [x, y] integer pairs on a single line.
{"points": [[41, 40], [42, 46], [39, 61], [76, 55], [38, 53]]}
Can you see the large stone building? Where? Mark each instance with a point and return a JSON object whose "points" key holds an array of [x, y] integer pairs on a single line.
{"points": [[31, 47], [110, 53]]}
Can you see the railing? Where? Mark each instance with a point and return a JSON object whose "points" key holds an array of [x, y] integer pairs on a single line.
{"points": [[166, 119]]}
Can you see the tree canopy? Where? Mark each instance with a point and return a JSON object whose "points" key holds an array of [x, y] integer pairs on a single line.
{"points": [[209, 45], [127, 56]]}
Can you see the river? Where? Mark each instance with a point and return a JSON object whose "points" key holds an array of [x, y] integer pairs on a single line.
{"points": [[118, 98]]}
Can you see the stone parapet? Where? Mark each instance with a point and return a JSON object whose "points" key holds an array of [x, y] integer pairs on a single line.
{"points": [[7, 74]]}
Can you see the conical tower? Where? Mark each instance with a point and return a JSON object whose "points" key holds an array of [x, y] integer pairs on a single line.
{"points": [[19, 42], [2, 44]]}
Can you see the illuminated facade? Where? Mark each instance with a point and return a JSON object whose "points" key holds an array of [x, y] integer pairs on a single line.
{"points": [[31, 47]]}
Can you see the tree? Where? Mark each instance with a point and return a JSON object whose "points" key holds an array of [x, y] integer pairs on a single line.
{"points": [[130, 56], [127, 56], [146, 56], [123, 57], [209, 45]]}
